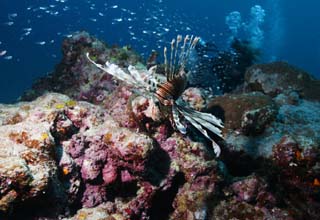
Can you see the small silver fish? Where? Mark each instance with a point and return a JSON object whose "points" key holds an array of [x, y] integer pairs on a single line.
{"points": [[8, 57], [9, 23], [41, 43], [3, 52]]}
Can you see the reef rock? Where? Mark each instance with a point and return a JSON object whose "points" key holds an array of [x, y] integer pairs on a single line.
{"points": [[248, 113], [272, 145], [234, 209], [280, 77], [90, 84], [300, 121], [28, 170], [302, 190], [55, 144]]}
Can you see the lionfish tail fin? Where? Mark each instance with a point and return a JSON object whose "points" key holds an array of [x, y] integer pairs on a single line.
{"points": [[203, 121]]}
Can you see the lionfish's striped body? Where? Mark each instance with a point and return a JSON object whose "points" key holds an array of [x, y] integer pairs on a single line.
{"points": [[167, 92]]}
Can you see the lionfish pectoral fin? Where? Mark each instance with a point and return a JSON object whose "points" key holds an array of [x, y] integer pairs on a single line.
{"points": [[209, 118], [153, 69], [115, 71], [182, 129], [135, 73], [216, 148], [206, 120], [199, 123]]}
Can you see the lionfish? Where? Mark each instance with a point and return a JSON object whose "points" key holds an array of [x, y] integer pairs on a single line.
{"points": [[167, 92]]}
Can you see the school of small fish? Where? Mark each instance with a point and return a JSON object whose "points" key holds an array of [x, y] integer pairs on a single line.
{"points": [[147, 26]]}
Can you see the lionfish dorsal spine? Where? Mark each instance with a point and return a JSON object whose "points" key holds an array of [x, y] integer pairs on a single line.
{"points": [[179, 37], [178, 55], [185, 55], [165, 62], [171, 68]]}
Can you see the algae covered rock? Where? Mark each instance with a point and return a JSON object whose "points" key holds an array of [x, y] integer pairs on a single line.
{"points": [[280, 77], [27, 167], [74, 77], [249, 113], [234, 209]]}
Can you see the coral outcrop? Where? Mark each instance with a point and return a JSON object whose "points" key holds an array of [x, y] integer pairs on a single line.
{"points": [[117, 158], [271, 130], [249, 113], [79, 154], [74, 77], [280, 77]]}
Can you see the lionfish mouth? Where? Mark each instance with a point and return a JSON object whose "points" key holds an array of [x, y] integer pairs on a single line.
{"points": [[167, 93]]}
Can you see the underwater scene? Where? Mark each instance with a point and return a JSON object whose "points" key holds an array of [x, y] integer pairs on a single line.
{"points": [[159, 110]]}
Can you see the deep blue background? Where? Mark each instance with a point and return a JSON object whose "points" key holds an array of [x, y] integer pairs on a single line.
{"points": [[292, 30]]}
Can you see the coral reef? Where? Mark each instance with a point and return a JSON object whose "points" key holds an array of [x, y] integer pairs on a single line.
{"points": [[240, 210], [79, 154], [99, 150], [300, 121], [298, 172]]}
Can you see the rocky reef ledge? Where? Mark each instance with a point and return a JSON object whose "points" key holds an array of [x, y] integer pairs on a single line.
{"points": [[80, 145]]}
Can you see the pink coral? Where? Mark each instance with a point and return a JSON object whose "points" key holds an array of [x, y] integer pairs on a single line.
{"points": [[194, 98], [126, 176], [109, 173]]}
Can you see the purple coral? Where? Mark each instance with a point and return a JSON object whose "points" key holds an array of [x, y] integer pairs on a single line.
{"points": [[94, 195], [253, 189], [94, 158]]}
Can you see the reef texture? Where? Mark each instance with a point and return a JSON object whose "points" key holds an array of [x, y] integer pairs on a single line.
{"points": [[83, 146], [75, 155], [280, 77], [272, 130]]}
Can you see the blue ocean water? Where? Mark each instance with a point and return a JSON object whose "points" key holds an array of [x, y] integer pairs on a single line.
{"points": [[31, 32]]}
